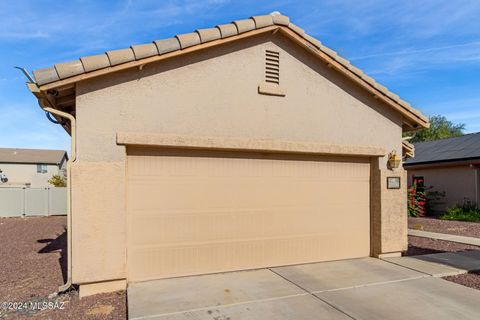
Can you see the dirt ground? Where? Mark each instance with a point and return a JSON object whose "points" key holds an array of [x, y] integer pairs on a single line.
{"points": [[460, 228], [32, 267]]}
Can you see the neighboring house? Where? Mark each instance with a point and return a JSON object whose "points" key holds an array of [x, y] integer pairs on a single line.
{"points": [[30, 167], [242, 146], [449, 165]]}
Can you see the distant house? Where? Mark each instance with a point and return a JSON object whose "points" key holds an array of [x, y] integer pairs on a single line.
{"points": [[30, 167], [449, 165]]}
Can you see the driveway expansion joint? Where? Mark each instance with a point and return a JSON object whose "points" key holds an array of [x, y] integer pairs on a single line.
{"points": [[373, 283], [312, 294]]}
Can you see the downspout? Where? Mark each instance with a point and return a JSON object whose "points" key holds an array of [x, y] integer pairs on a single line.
{"points": [[72, 158], [47, 106]]}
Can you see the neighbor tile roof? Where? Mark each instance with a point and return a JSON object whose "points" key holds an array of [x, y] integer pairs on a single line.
{"points": [[111, 58], [15, 155], [452, 149]]}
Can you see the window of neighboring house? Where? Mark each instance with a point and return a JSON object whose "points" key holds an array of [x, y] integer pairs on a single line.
{"points": [[41, 168], [419, 181]]}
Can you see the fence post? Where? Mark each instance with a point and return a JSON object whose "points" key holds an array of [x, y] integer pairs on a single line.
{"points": [[49, 201], [24, 202]]}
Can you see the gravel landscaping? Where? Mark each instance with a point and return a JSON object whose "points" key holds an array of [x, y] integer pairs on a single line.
{"points": [[33, 266], [419, 245], [471, 280], [459, 228]]}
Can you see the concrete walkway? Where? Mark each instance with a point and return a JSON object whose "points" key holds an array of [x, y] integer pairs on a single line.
{"points": [[443, 236], [366, 288], [441, 264]]}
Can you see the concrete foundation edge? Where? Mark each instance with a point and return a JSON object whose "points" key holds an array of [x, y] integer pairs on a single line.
{"points": [[89, 289], [389, 255]]}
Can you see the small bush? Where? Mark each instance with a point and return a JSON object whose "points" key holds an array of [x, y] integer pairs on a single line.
{"points": [[467, 212]]}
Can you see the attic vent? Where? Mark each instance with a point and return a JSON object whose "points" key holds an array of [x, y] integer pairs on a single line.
{"points": [[272, 66]]}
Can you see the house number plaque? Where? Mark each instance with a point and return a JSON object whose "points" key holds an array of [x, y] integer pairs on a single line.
{"points": [[393, 182]]}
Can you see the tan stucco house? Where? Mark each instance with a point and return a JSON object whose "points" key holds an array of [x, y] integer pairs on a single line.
{"points": [[450, 166], [30, 168], [246, 145]]}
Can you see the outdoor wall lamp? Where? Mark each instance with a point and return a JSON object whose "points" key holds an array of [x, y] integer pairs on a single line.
{"points": [[394, 160]]}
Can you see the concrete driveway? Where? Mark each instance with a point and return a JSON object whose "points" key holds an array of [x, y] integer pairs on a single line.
{"points": [[364, 288]]}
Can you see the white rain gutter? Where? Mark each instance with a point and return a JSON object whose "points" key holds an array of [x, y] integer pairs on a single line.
{"points": [[47, 106]]}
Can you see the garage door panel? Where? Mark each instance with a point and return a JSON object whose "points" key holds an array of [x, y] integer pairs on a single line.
{"points": [[194, 226], [170, 195], [216, 164], [193, 212], [150, 263]]}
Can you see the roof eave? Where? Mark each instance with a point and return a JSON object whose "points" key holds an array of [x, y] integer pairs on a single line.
{"points": [[442, 163]]}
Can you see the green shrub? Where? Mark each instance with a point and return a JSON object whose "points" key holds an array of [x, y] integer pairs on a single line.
{"points": [[467, 212]]}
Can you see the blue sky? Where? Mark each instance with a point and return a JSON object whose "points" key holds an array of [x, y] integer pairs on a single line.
{"points": [[426, 51]]}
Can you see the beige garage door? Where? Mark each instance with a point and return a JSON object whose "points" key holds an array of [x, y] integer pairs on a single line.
{"points": [[194, 212]]}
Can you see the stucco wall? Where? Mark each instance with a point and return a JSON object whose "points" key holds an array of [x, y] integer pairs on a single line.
{"points": [[457, 182], [197, 95], [20, 174], [213, 93]]}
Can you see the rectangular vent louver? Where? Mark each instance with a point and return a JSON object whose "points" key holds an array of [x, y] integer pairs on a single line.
{"points": [[272, 66]]}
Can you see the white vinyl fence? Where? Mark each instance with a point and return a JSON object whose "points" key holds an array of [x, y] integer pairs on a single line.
{"points": [[17, 202]]}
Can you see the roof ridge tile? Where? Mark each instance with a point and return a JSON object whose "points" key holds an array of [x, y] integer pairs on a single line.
{"points": [[188, 39], [46, 75], [244, 25], [262, 21], [146, 50], [92, 63], [227, 30], [280, 19], [120, 56], [167, 45], [209, 34], [69, 69], [298, 30]]}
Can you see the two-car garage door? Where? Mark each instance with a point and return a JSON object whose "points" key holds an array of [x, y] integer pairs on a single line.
{"points": [[193, 212]]}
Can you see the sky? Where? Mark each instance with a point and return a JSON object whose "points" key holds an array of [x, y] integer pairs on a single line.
{"points": [[428, 51]]}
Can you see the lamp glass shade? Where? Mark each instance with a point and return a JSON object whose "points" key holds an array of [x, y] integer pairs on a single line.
{"points": [[394, 160]]}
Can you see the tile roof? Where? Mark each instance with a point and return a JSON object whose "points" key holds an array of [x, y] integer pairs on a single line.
{"points": [[15, 155], [451, 149], [61, 71]]}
